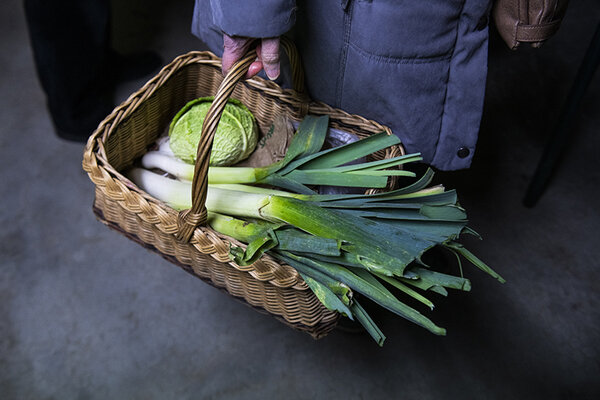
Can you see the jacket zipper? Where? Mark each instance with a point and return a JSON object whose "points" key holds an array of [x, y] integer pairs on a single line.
{"points": [[347, 6]]}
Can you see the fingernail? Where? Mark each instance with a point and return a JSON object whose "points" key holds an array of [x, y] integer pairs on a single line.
{"points": [[272, 73], [253, 70]]}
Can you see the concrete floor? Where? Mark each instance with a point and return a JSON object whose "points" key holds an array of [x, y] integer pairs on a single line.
{"points": [[86, 314]]}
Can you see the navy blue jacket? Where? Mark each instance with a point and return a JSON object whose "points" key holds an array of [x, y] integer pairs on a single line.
{"points": [[418, 67]]}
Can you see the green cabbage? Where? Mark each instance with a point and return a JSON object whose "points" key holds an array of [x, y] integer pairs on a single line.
{"points": [[235, 139]]}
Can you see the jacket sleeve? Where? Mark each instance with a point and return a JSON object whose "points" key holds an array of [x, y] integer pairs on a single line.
{"points": [[254, 18]]}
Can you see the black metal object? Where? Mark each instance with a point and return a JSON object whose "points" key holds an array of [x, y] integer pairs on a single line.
{"points": [[560, 134]]}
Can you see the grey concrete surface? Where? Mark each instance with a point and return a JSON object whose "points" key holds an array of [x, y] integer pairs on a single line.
{"points": [[86, 314]]}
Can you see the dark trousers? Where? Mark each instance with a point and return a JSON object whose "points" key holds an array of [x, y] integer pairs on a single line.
{"points": [[71, 47]]}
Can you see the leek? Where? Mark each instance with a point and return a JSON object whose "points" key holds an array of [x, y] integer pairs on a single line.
{"points": [[377, 246], [339, 243], [303, 163]]}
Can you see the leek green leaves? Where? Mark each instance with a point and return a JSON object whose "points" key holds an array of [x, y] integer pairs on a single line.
{"points": [[340, 244]]}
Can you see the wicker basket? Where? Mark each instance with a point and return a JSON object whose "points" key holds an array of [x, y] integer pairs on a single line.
{"points": [[179, 237]]}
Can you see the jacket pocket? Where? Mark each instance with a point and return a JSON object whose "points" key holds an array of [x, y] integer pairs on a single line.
{"points": [[406, 96], [405, 29]]}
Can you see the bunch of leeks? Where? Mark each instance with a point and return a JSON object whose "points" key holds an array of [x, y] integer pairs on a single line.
{"points": [[342, 243]]}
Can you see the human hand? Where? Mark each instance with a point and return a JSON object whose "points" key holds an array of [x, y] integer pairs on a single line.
{"points": [[267, 52]]}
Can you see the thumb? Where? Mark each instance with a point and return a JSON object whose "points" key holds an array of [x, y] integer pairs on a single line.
{"points": [[269, 55], [233, 49]]}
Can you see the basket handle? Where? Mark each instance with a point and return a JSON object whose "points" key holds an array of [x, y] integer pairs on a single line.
{"points": [[188, 220]]}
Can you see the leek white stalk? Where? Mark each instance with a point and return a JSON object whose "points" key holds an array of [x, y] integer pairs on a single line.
{"points": [[178, 194], [184, 171]]}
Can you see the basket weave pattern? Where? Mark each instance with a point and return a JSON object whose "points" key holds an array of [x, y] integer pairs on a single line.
{"points": [[126, 134]]}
